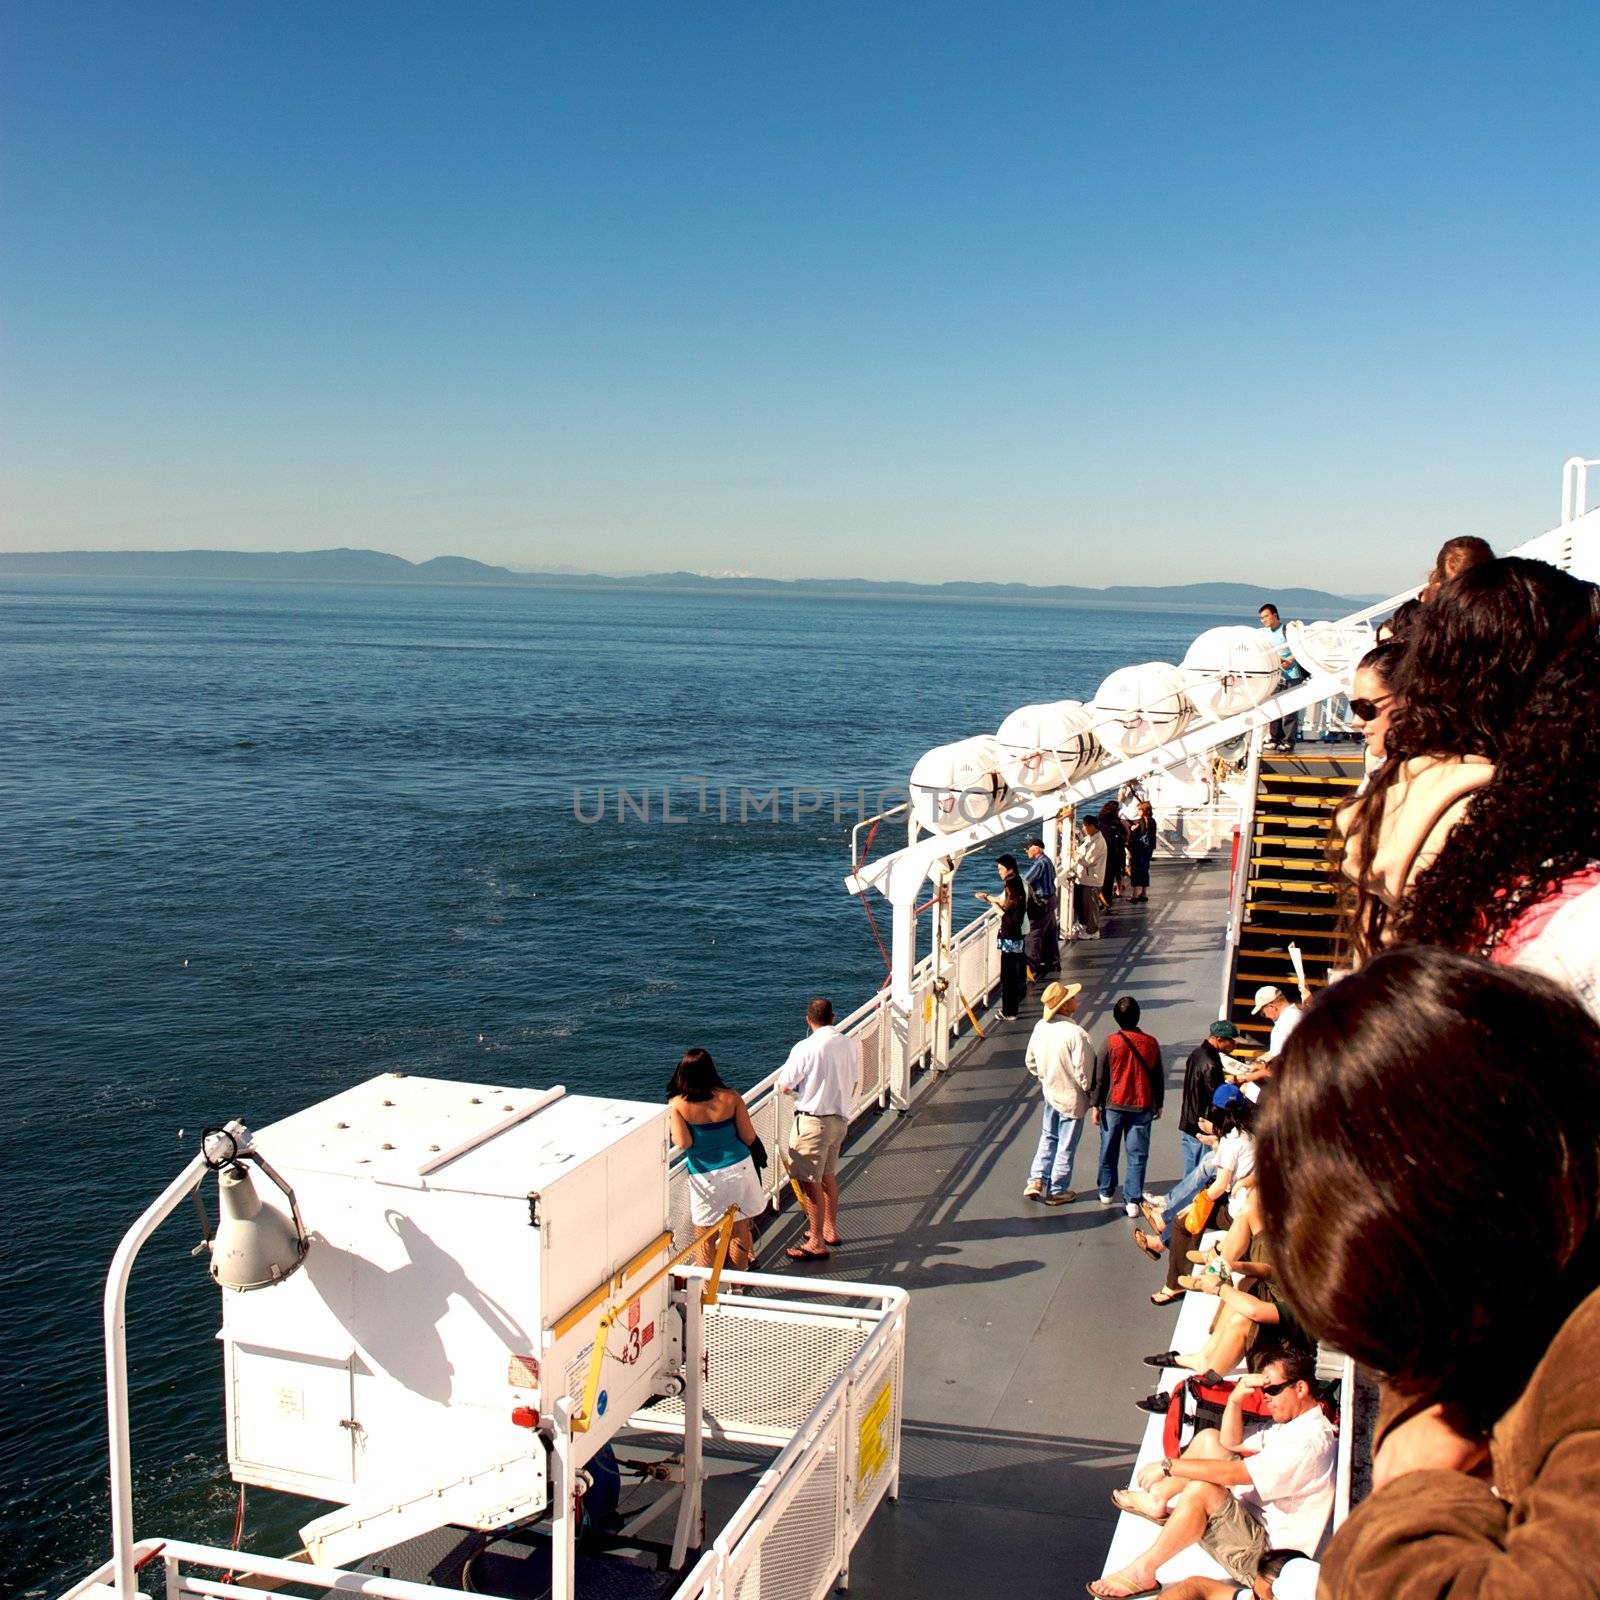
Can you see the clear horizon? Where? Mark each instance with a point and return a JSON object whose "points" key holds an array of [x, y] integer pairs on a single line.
{"points": [[1050, 294]]}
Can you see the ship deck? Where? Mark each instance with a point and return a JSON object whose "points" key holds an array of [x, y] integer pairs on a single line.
{"points": [[1027, 1323]]}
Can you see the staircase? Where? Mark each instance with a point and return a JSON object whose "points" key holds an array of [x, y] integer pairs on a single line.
{"points": [[1288, 896]]}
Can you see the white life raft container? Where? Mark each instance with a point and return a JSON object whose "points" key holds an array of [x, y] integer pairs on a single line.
{"points": [[955, 785], [1331, 647], [1138, 709], [1230, 669], [1043, 747]]}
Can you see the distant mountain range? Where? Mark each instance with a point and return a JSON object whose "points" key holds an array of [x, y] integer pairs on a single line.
{"points": [[374, 566]]}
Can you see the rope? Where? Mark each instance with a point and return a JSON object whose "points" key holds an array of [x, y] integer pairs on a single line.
{"points": [[872, 921], [238, 1531]]}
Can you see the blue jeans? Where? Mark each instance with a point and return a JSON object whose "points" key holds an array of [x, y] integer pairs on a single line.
{"points": [[1193, 1148], [1115, 1127], [1187, 1187], [1058, 1144]]}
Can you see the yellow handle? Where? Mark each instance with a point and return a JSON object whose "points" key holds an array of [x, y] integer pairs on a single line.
{"points": [[597, 1356]]}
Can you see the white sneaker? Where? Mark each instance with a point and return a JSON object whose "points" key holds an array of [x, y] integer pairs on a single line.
{"points": [[1108, 1199], [1131, 1209]]}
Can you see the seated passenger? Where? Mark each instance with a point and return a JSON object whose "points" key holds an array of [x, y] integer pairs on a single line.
{"points": [[1245, 1313], [1238, 1496], [1236, 1159], [1430, 1164], [1160, 1211]]}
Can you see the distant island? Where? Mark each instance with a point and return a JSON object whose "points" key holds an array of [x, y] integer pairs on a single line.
{"points": [[374, 566]]}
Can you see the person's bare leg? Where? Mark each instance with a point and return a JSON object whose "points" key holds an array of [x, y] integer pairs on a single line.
{"points": [[705, 1247], [740, 1248], [830, 1209], [1185, 1522], [1224, 1350], [1184, 1525], [815, 1198]]}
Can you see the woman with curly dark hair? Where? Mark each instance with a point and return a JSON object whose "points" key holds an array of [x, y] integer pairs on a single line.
{"points": [[1481, 831]]}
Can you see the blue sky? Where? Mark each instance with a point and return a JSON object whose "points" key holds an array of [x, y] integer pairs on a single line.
{"points": [[1111, 293]]}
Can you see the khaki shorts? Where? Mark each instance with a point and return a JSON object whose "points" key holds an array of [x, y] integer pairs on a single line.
{"points": [[817, 1141], [1235, 1538]]}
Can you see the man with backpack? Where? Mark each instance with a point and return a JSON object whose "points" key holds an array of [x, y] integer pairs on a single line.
{"points": [[1126, 1095]]}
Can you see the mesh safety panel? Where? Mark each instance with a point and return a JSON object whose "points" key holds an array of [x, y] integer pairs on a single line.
{"points": [[797, 1554], [766, 1374], [872, 1429], [869, 1036], [972, 972]]}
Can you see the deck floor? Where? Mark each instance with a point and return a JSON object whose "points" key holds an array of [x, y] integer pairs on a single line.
{"points": [[1027, 1324]]}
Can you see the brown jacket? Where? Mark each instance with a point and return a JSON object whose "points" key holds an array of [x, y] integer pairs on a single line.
{"points": [[1535, 1535]]}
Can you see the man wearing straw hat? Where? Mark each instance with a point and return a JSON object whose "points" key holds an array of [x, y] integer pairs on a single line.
{"points": [[1060, 1055]]}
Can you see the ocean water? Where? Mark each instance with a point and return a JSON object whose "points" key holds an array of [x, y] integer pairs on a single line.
{"points": [[261, 842]]}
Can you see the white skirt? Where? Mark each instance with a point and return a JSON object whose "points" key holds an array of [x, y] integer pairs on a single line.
{"points": [[711, 1193]]}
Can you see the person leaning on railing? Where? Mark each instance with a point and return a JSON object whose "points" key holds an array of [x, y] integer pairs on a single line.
{"points": [[1430, 1163], [1481, 831]]}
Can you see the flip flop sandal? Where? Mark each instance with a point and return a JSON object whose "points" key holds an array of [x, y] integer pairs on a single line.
{"points": [[1147, 1244], [1166, 1297], [1165, 1358], [1125, 1594], [833, 1244], [1132, 1510], [798, 1253]]}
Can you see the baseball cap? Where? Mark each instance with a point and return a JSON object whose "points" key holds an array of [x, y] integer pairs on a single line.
{"points": [[1228, 1094], [1222, 1030], [1265, 995]]}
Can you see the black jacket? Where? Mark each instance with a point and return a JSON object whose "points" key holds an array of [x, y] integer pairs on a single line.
{"points": [[1202, 1076]]}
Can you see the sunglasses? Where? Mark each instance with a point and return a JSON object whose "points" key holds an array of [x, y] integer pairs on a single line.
{"points": [[1277, 1388], [1368, 709]]}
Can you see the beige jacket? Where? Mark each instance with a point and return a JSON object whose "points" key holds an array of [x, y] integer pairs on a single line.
{"points": [[1061, 1056], [1426, 801], [1533, 1535]]}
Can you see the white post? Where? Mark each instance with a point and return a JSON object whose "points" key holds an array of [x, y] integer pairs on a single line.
{"points": [[563, 1483], [124, 1579], [902, 961], [944, 973], [1052, 850], [1238, 889], [694, 1356]]}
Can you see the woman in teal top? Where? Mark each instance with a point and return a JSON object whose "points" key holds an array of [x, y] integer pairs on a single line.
{"points": [[711, 1124]]}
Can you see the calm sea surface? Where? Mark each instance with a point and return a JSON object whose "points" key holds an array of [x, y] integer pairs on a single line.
{"points": [[262, 842]]}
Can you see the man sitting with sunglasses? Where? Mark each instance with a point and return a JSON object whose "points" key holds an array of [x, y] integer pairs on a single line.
{"points": [[1238, 1497]]}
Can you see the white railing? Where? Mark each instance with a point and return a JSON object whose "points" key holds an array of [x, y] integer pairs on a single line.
{"points": [[792, 1537]]}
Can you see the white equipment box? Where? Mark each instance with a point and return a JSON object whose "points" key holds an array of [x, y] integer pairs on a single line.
{"points": [[464, 1243]]}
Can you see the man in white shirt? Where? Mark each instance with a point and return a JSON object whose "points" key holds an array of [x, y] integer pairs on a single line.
{"points": [[1273, 1004], [823, 1073], [1088, 872], [1238, 1498]]}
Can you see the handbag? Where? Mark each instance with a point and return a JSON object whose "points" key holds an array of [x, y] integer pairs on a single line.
{"points": [[1199, 1213]]}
